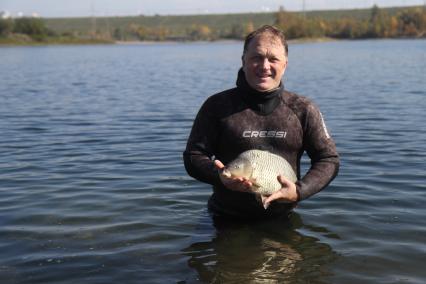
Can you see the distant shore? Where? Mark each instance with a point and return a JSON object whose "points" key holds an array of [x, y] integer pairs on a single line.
{"points": [[26, 41], [9, 42]]}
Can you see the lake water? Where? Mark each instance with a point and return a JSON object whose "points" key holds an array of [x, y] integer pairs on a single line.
{"points": [[93, 188]]}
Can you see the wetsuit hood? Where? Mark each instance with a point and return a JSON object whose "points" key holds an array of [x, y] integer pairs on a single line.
{"points": [[262, 102]]}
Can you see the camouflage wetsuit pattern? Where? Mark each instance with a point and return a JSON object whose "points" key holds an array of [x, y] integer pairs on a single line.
{"points": [[241, 119]]}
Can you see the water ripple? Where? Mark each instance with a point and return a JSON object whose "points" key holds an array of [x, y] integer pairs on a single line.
{"points": [[93, 190]]}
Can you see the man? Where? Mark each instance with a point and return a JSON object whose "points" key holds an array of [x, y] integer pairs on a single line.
{"points": [[260, 114]]}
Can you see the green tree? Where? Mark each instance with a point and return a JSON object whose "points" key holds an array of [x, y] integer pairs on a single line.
{"points": [[6, 27], [30, 26], [379, 24], [34, 27], [118, 34]]}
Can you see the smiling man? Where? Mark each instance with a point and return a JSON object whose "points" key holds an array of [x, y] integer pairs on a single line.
{"points": [[260, 114], [264, 61]]}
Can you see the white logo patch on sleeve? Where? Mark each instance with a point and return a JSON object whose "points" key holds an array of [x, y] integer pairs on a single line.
{"points": [[324, 126]]}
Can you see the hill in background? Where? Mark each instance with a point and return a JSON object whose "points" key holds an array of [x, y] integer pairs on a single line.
{"points": [[357, 23]]}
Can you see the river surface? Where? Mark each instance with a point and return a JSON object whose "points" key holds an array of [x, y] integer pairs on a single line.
{"points": [[93, 188]]}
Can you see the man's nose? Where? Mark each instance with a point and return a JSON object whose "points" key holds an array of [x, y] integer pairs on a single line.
{"points": [[265, 64]]}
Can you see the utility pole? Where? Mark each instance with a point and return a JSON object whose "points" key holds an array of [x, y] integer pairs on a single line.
{"points": [[304, 8], [92, 9], [108, 27]]}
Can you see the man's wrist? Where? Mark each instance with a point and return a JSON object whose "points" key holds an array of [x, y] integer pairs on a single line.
{"points": [[298, 192]]}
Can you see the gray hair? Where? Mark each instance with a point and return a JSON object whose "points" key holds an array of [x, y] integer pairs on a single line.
{"points": [[269, 30]]}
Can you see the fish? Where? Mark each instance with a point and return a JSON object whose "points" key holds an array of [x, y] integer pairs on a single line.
{"points": [[261, 168]]}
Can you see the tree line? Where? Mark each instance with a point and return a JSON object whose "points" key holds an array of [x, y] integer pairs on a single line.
{"points": [[408, 22], [194, 32], [29, 30], [32, 27]]}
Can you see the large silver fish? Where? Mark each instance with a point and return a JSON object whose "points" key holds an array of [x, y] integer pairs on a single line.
{"points": [[261, 168]]}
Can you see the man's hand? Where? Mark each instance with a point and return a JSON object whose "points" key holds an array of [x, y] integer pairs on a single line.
{"points": [[287, 193], [237, 183]]}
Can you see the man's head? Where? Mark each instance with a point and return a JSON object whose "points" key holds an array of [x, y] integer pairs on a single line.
{"points": [[265, 58]]}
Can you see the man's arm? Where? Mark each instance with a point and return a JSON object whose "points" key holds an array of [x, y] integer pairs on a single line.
{"points": [[321, 149], [200, 146]]}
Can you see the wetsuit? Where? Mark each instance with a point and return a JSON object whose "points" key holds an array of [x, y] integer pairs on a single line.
{"points": [[241, 119]]}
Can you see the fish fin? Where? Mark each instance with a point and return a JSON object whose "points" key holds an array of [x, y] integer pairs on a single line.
{"points": [[263, 198]]}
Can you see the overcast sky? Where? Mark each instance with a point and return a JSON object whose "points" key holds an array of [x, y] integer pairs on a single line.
{"points": [[77, 8]]}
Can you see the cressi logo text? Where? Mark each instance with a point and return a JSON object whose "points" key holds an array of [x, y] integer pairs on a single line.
{"points": [[264, 134]]}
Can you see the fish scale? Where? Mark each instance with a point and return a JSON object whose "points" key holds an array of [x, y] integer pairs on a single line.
{"points": [[261, 168]]}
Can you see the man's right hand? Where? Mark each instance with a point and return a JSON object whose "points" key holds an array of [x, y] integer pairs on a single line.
{"points": [[233, 183]]}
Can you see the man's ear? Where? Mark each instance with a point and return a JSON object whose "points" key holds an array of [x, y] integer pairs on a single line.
{"points": [[242, 61]]}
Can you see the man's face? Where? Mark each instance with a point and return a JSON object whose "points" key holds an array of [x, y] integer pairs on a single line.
{"points": [[264, 63]]}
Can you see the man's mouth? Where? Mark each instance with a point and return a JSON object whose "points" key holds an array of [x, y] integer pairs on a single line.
{"points": [[263, 76]]}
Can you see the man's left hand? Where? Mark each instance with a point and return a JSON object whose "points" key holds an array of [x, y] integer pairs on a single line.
{"points": [[287, 193]]}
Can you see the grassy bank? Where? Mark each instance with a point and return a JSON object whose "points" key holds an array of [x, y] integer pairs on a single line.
{"points": [[22, 39]]}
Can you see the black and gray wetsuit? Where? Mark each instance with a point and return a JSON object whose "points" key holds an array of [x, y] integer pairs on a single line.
{"points": [[241, 119]]}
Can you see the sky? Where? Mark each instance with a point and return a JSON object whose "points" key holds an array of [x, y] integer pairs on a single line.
{"points": [[81, 8]]}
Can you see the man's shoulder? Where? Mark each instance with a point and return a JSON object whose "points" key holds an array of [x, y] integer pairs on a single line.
{"points": [[222, 99], [296, 101], [225, 95], [303, 107]]}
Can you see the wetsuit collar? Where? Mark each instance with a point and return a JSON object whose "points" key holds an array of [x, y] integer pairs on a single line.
{"points": [[262, 102]]}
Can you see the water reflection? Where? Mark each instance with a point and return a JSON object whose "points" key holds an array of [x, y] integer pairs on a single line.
{"points": [[262, 252]]}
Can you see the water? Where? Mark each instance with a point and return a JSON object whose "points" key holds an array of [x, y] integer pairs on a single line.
{"points": [[93, 190]]}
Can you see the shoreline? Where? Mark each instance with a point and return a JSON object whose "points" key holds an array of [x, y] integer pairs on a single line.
{"points": [[11, 43]]}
